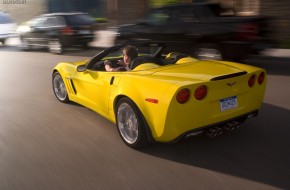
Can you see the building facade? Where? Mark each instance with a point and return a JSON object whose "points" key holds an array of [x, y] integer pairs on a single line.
{"points": [[23, 10], [280, 13]]}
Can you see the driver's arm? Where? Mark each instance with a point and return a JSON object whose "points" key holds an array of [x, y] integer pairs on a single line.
{"points": [[108, 66]]}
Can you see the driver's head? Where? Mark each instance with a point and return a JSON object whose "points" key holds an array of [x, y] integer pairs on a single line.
{"points": [[130, 53]]}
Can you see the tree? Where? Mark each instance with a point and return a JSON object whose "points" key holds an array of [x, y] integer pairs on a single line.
{"points": [[158, 3]]}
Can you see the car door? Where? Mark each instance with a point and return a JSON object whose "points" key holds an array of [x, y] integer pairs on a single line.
{"points": [[189, 25], [37, 34], [93, 89]]}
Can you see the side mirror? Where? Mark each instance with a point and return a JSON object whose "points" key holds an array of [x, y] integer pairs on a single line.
{"points": [[32, 28], [81, 68]]}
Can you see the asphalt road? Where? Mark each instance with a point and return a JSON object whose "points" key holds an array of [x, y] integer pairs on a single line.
{"points": [[47, 145]]}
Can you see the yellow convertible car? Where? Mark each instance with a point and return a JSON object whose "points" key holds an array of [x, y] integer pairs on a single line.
{"points": [[165, 96]]}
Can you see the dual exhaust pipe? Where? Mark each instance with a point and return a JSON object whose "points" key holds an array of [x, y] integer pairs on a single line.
{"points": [[216, 131]]}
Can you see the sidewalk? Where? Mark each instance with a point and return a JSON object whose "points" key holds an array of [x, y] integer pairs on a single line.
{"points": [[272, 52], [105, 38]]}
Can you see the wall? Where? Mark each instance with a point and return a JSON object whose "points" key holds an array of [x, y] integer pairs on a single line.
{"points": [[23, 10], [280, 11], [127, 11]]}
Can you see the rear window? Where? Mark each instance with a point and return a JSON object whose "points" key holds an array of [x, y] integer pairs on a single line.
{"points": [[158, 17], [79, 19], [5, 19]]}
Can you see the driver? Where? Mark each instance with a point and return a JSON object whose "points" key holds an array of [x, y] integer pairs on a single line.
{"points": [[130, 53]]}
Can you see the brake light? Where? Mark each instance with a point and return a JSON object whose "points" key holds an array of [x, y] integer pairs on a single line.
{"points": [[248, 31], [261, 77], [251, 80], [67, 30], [200, 92], [183, 96]]}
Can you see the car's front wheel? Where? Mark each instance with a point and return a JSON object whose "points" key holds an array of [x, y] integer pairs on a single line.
{"points": [[59, 88], [55, 46], [131, 123], [3, 41], [25, 45]]}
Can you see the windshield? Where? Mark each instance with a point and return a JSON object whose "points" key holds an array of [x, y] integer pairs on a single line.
{"points": [[142, 50], [79, 19], [116, 53], [158, 17]]}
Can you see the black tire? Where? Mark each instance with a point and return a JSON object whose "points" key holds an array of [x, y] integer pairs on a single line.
{"points": [[55, 46], [85, 46], [3, 42], [25, 45], [59, 88], [131, 124], [207, 51]]}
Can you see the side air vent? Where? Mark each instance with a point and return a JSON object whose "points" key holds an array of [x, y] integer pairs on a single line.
{"points": [[229, 76], [70, 86]]}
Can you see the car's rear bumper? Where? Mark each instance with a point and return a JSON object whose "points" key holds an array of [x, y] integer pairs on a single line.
{"points": [[237, 50], [77, 40], [9, 35], [176, 120], [220, 127]]}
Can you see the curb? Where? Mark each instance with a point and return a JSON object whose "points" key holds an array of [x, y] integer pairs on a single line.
{"points": [[272, 52]]}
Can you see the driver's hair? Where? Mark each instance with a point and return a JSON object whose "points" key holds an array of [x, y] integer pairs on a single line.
{"points": [[131, 51]]}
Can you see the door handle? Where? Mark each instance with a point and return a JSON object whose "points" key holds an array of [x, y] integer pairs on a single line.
{"points": [[112, 80]]}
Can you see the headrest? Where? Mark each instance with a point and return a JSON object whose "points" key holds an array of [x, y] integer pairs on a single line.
{"points": [[140, 60]]}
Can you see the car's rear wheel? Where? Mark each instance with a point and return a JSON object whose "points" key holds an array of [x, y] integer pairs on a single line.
{"points": [[207, 51], [25, 45], [55, 46], [131, 123], [59, 88], [3, 41]]}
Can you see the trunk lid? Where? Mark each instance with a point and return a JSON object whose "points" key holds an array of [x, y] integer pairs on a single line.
{"points": [[199, 71]]}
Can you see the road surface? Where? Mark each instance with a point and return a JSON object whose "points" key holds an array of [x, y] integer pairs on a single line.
{"points": [[48, 145]]}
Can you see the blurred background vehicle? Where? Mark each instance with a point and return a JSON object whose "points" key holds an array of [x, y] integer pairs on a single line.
{"points": [[111, 13], [7, 27], [205, 31], [57, 31]]}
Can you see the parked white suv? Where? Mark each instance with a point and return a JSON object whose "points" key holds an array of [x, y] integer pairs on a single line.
{"points": [[7, 27]]}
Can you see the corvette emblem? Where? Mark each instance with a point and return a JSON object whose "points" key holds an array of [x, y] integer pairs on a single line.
{"points": [[231, 83]]}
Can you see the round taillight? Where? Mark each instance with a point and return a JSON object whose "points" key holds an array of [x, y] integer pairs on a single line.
{"points": [[251, 80], [200, 92], [183, 96], [261, 77]]}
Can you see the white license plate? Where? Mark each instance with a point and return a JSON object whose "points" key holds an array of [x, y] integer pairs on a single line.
{"points": [[84, 32], [228, 103]]}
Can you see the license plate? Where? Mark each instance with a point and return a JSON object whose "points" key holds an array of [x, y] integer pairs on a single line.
{"points": [[228, 103], [84, 32]]}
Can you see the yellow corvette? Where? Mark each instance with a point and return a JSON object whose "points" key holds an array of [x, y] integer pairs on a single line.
{"points": [[165, 96]]}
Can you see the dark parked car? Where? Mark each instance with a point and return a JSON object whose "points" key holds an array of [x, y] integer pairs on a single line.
{"points": [[202, 29], [57, 31]]}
